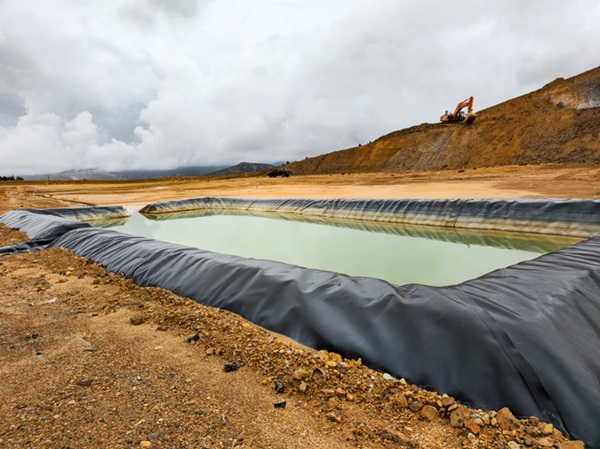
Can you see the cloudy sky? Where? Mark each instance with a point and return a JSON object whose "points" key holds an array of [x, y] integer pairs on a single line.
{"points": [[132, 84]]}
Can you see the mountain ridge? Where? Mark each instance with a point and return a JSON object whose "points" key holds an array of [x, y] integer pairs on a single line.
{"points": [[91, 174]]}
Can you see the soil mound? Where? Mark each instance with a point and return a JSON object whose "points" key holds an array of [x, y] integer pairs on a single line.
{"points": [[558, 123]]}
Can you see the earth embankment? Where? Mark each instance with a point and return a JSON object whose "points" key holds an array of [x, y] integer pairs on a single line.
{"points": [[559, 123]]}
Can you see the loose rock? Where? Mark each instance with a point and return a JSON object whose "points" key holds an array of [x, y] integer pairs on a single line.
{"points": [[459, 416], [400, 399], [334, 417], [233, 366], [473, 427], [447, 400], [341, 392], [416, 406], [546, 442], [136, 319], [279, 385], [430, 413], [300, 374], [398, 437], [192, 338], [506, 420], [571, 445], [319, 376]]}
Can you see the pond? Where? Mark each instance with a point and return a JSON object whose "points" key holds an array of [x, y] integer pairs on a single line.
{"points": [[398, 254]]}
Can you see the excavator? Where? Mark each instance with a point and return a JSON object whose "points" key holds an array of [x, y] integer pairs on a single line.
{"points": [[458, 116]]}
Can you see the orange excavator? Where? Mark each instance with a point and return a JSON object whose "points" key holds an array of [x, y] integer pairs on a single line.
{"points": [[458, 116]]}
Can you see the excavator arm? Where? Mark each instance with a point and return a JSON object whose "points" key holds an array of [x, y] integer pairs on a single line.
{"points": [[463, 104]]}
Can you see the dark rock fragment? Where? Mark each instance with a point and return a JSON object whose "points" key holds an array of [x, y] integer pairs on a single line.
{"points": [[229, 367], [279, 386]]}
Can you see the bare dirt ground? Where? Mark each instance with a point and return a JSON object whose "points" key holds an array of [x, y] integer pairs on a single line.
{"points": [[543, 181], [88, 359]]}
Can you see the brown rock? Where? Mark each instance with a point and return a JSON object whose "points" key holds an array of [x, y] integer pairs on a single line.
{"points": [[430, 413], [447, 400], [136, 319], [416, 406], [459, 416], [506, 420], [571, 445], [473, 427], [303, 387], [341, 392], [300, 374], [545, 442], [318, 376], [478, 421], [332, 403], [334, 417], [400, 399], [398, 437]]}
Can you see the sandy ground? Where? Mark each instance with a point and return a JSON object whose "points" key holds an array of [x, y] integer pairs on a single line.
{"points": [[88, 359], [498, 182]]}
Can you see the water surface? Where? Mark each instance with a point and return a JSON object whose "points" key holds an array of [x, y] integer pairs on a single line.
{"points": [[391, 252]]}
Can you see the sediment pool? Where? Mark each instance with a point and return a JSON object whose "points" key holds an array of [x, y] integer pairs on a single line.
{"points": [[398, 254]]}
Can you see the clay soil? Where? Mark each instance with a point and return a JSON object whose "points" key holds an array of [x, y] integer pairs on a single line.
{"points": [[88, 359]]}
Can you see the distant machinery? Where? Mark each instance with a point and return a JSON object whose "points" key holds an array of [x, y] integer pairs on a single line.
{"points": [[459, 116]]}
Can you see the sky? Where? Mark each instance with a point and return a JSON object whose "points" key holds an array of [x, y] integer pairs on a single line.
{"points": [[159, 84]]}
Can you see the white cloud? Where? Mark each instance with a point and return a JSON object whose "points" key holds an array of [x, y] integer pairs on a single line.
{"points": [[158, 84]]}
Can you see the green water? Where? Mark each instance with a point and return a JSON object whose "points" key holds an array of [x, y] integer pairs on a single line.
{"points": [[388, 255]]}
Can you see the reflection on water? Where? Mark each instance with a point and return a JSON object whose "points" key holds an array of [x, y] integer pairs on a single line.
{"points": [[109, 223], [397, 253]]}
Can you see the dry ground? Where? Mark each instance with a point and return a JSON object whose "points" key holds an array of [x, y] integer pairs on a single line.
{"points": [[76, 372], [545, 181]]}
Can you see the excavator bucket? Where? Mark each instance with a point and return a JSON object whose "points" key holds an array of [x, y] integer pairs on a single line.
{"points": [[470, 118]]}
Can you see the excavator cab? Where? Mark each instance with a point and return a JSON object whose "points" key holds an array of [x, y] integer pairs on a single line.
{"points": [[459, 116]]}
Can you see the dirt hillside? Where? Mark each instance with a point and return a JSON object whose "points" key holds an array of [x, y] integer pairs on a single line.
{"points": [[559, 123]]}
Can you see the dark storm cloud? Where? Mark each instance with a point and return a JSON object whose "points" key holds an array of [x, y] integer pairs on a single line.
{"points": [[11, 108]]}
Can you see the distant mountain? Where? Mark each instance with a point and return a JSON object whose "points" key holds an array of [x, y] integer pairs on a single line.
{"points": [[100, 175], [172, 173], [88, 174], [243, 167]]}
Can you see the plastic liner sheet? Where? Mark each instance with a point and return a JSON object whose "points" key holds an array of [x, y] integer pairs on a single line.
{"points": [[39, 226], [43, 226], [560, 217], [86, 213], [538, 243], [526, 337]]}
